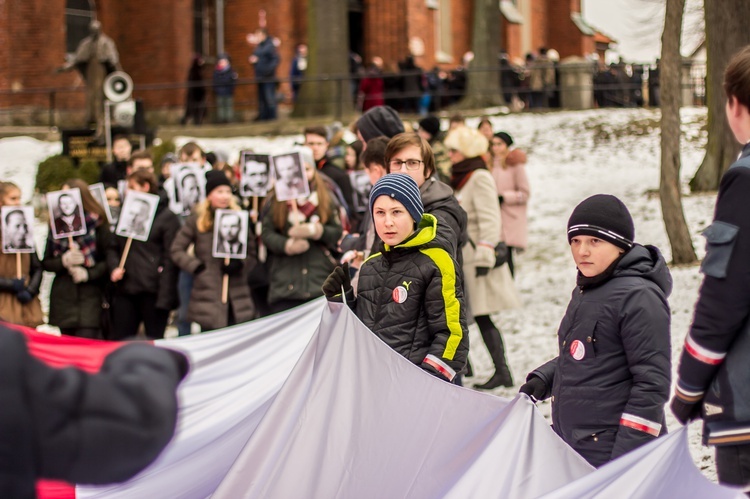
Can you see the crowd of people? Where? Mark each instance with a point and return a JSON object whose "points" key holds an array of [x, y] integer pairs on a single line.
{"points": [[433, 249]]}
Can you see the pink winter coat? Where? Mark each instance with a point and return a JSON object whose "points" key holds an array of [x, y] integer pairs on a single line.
{"points": [[513, 185]]}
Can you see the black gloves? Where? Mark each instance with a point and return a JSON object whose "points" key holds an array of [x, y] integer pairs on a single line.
{"points": [[24, 297], [183, 365], [684, 411], [334, 282], [200, 268], [500, 199], [234, 266], [18, 285], [535, 388], [482, 271]]}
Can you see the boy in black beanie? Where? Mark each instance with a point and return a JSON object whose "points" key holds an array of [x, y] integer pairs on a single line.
{"points": [[611, 379]]}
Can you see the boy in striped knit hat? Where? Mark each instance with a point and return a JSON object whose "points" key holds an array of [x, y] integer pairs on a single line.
{"points": [[611, 379], [410, 292]]}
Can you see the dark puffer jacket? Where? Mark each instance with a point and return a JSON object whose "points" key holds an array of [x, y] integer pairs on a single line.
{"points": [[612, 377], [411, 297], [65, 424], [149, 268]]}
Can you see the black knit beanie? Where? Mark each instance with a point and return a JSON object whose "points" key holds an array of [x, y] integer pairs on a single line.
{"points": [[379, 121], [214, 179], [505, 137], [603, 216], [430, 124]]}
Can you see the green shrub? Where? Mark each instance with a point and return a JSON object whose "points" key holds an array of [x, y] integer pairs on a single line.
{"points": [[55, 170], [158, 152]]}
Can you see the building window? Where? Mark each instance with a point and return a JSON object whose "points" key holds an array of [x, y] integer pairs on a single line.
{"points": [[78, 16], [444, 32]]}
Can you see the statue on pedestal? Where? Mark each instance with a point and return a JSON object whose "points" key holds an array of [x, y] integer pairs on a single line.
{"points": [[95, 57]]}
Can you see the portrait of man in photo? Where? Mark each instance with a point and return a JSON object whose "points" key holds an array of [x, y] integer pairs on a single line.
{"points": [[66, 213], [190, 183], [137, 215], [255, 175], [230, 234], [17, 229], [291, 181]]}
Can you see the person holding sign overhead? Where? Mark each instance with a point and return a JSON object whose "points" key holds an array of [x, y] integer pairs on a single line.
{"points": [[80, 267], [206, 306], [146, 280], [301, 234], [20, 269]]}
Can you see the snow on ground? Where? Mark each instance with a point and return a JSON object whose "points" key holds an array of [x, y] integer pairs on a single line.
{"points": [[571, 155]]}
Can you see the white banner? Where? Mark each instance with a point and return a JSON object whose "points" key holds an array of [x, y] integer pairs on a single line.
{"points": [[355, 419]]}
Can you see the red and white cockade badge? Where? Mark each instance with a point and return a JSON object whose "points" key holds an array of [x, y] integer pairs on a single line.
{"points": [[577, 350], [399, 294]]}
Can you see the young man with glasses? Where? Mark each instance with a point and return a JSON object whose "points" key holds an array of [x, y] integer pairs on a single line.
{"points": [[410, 154]]}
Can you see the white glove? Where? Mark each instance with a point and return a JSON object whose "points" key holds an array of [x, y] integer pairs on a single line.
{"points": [[72, 257], [306, 231], [79, 274], [295, 246]]}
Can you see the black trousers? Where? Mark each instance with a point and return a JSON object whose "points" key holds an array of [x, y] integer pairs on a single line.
{"points": [[733, 465], [129, 311]]}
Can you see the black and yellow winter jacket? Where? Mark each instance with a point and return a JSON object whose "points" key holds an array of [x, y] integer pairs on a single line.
{"points": [[411, 297]]}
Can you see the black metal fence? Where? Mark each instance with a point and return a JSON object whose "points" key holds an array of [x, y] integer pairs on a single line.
{"points": [[408, 92]]}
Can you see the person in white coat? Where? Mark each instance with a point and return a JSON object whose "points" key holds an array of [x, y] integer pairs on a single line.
{"points": [[489, 289]]}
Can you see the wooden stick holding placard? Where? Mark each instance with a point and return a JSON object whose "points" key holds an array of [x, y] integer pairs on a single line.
{"points": [[254, 212], [225, 284], [295, 210], [125, 253], [19, 272], [70, 242]]}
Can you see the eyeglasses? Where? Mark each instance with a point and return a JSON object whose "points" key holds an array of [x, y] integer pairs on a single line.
{"points": [[411, 164]]}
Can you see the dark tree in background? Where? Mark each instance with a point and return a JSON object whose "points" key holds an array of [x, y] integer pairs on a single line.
{"points": [[483, 82], [669, 185], [328, 55], [726, 31]]}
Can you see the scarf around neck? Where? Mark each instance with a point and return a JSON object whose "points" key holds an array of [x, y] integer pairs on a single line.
{"points": [[463, 169]]}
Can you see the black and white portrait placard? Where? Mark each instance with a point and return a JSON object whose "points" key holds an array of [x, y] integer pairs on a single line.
{"points": [[66, 213], [18, 229], [137, 215], [255, 174], [230, 234], [100, 195], [289, 174], [361, 186], [190, 186]]}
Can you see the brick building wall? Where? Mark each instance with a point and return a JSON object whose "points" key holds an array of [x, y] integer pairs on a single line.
{"points": [[564, 35]]}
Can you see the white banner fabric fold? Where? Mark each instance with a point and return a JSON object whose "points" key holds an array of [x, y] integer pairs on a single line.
{"points": [[662, 468], [356, 419], [235, 374]]}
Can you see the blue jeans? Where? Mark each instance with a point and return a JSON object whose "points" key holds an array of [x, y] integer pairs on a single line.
{"points": [[267, 100], [184, 288]]}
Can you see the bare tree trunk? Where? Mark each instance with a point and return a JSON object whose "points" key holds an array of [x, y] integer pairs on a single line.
{"points": [[483, 81], [726, 31], [669, 186], [328, 55]]}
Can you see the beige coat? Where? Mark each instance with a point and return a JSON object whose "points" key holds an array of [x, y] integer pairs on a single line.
{"points": [[494, 292], [513, 184]]}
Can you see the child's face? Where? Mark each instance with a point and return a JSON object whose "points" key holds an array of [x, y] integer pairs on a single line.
{"points": [[593, 255], [393, 223]]}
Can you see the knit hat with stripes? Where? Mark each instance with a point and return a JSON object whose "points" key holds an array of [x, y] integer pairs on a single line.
{"points": [[603, 216], [403, 189]]}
